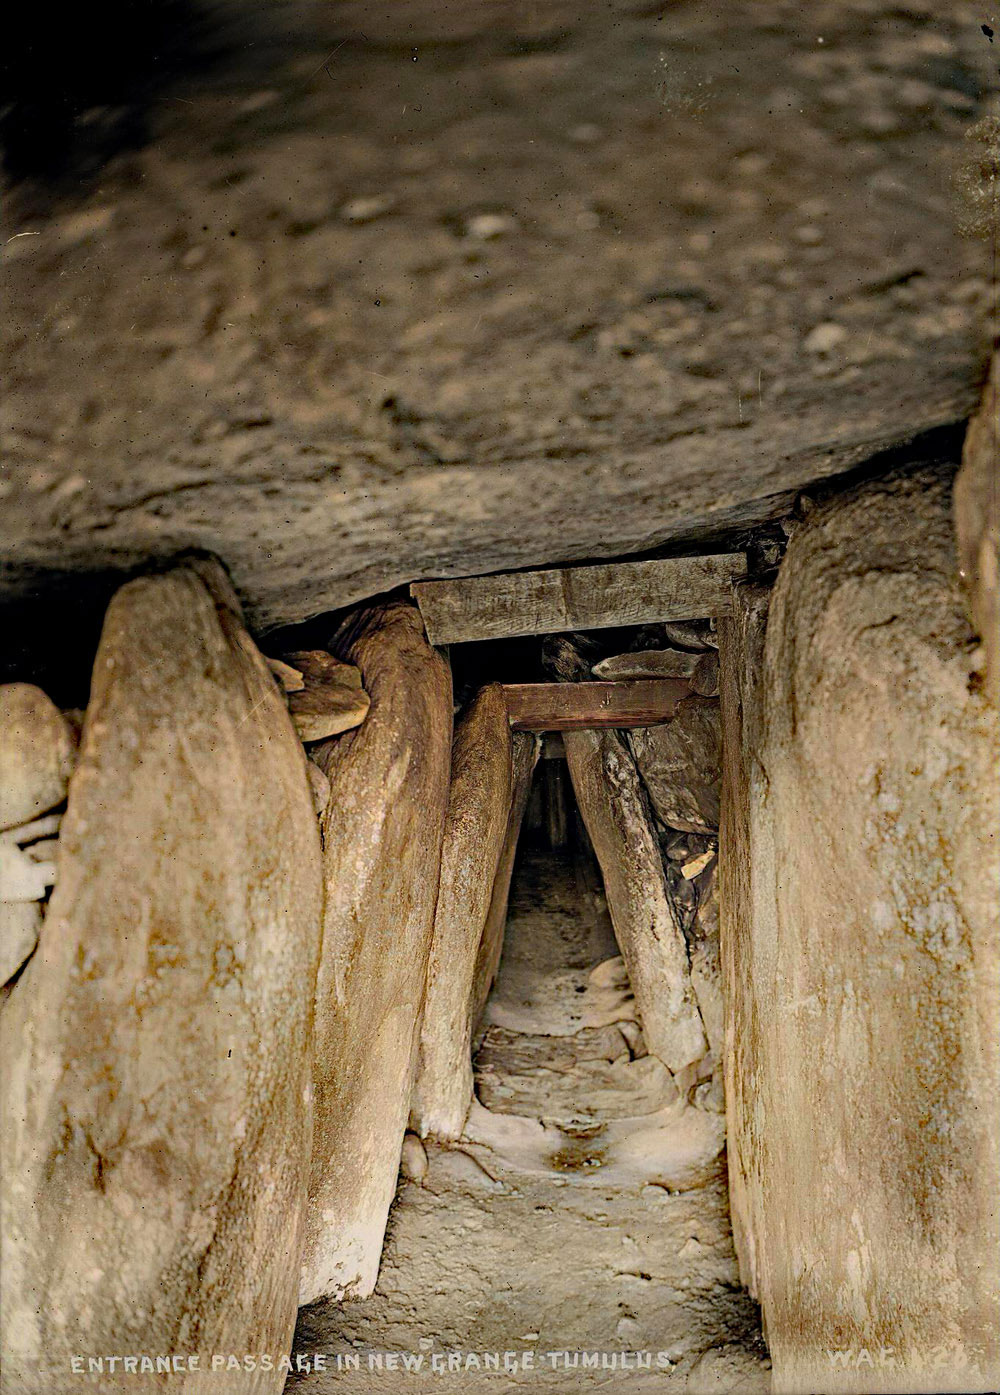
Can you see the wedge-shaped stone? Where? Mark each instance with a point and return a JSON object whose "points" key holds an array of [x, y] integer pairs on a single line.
{"points": [[479, 807], [609, 794], [382, 848], [330, 700], [156, 1048]]}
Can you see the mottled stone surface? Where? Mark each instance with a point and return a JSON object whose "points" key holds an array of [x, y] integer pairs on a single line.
{"points": [[36, 754], [156, 1094], [475, 839], [860, 927], [977, 524], [680, 763], [609, 794], [580, 281], [381, 850]]}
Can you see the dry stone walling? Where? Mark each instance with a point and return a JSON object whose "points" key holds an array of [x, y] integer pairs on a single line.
{"points": [[382, 834], [859, 900], [37, 753], [157, 1047]]}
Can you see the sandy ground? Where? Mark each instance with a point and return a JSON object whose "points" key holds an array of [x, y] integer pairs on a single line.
{"points": [[486, 1257]]}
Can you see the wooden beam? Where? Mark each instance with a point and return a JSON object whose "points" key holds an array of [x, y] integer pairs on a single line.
{"points": [[578, 706], [578, 598]]}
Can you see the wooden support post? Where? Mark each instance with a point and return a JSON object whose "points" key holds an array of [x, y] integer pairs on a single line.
{"points": [[577, 706], [578, 598]]}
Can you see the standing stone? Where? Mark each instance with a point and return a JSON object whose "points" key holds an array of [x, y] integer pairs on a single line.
{"points": [[382, 848], [977, 523], [743, 856], [681, 765], [609, 795], [156, 1094], [863, 931], [36, 754], [526, 749], [479, 809]]}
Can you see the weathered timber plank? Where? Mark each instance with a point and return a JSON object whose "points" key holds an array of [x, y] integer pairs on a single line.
{"points": [[578, 706], [577, 598]]}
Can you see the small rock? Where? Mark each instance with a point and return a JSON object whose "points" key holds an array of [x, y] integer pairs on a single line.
{"points": [[689, 634], [486, 226], [317, 665], [367, 209], [37, 752], [705, 678], [648, 663], [629, 1330], [331, 699], [413, 1160], [697, 864], [327, 710], [824, 338]]}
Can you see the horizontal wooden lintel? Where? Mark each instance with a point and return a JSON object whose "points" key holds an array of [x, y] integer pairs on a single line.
{"points": [[578, 598], [578, 706]]}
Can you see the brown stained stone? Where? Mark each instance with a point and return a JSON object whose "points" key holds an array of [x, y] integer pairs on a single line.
{"points": [[156, 1086], [526, 748], [860, 867], [977, 523], [609, 794], [382, 845], [36, 754], [479, 813]]}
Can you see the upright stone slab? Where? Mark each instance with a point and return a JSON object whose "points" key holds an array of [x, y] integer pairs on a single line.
{"points": [[156, 1095], [867, 1117], [742, 856], [524, 757], [382, 848], [610, 799], [479, 808]]}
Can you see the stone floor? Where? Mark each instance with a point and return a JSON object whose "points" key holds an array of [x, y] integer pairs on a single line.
{"points": [[491, 1255]]}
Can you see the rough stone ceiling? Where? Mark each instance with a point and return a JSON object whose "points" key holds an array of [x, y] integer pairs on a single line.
{"points": [[416, 290]]}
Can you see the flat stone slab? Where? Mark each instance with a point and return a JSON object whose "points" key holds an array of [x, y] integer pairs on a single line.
{"points": [[405, 294]]}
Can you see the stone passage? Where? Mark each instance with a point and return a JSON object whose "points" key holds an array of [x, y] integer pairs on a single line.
{"points": [[542, 1242]]}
